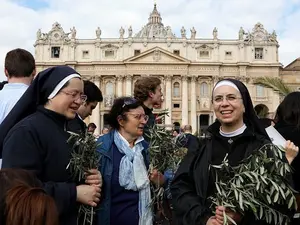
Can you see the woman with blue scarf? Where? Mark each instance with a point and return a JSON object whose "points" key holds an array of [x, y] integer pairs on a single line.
{"points": [[124, 166]]}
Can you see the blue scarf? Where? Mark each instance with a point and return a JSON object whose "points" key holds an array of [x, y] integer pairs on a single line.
{"points": [[133, 175]]}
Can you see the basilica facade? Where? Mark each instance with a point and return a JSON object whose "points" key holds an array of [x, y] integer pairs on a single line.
{"points": [[188, 66]]}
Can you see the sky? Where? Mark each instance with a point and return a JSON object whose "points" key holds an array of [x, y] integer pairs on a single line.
{"points": [[20, 19]]}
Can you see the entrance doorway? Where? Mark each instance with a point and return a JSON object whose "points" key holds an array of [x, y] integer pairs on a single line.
{"points": [[203, 123]]}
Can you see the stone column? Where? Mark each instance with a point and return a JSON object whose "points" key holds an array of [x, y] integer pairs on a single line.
{"points": [[185, 103], [120, 86], [95, 117], [193, 104], [128, 85], [168, 99]]}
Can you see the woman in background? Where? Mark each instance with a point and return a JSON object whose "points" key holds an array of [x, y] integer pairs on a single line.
{"points": [[23, 201]]}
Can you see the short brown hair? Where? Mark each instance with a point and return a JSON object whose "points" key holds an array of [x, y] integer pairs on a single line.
{"points": [[145, 85], [19, 63]]}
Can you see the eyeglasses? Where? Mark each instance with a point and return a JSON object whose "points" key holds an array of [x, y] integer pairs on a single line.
{"points": [[229, 98], [139, 116], [76, 96], [129, 101]]}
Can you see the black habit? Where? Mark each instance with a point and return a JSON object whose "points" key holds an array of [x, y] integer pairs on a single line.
{"points": [[76, 125], [36, 139], [194, 183]]}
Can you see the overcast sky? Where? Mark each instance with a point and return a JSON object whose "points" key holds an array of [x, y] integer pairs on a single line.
{"points": [[20, 19]]}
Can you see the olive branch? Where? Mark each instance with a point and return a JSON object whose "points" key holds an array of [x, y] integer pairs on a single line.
{"points": [[84, 157], [258, 185]]}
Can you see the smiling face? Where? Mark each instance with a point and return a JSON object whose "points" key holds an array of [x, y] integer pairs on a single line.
{"points": [[134, 122], [228, 106], [68, 100]]}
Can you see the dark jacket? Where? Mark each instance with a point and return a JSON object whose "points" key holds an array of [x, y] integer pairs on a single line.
{"points": [[189, 141], [39, 143], [292, 133], [193, 182], [106, 149], [150, 123], [76, 125]]}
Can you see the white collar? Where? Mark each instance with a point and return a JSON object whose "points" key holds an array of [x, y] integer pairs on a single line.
{"points": [[233, 133]]}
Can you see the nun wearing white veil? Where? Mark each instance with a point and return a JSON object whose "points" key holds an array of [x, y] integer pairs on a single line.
{"points": [[33, 137]]}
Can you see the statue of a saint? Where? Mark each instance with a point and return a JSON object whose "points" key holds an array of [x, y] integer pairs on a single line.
{"points": [[130, 31], [73, 33], [241, 33], [39, 34], [193, 33], [183, 32], [274, 36], [122, 32], [169, 32], [98, 33], [215, 33]]}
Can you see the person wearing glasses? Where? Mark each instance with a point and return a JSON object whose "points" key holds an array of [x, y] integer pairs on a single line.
{"points": [[237, 132], [34, 137], [124, 166], [93, 96]]}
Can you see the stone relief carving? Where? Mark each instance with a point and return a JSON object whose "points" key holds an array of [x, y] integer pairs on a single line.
{"points": [[168, 77], [260, 34], [109, 100], [156, 55]]}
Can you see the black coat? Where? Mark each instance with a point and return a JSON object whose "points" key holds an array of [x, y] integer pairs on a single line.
{"points": [[193, 183], [39, 143], [76, 125], [292, 133]]}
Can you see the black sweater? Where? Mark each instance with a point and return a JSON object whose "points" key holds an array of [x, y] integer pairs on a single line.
{"points": [[39, 143]]}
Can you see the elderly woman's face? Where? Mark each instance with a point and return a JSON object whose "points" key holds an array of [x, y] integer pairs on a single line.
{"points": [[136, 120], [228, 105]]}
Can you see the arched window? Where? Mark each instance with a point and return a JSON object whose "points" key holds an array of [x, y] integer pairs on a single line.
{"points": [[109, 88], [204, 89], [260, 91], [176, 90]]}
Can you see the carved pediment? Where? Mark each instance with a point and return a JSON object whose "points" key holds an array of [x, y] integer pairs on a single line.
{"points": [[293, 66], [109, 47], [204, 47], [158, 55], [56, 34], [260, 34]]}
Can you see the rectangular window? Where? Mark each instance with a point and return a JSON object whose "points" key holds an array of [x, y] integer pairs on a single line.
{"points": [[176, 52], [259, 53], [228, 55], [204, 54], [109, 53], [176, 105], [85, 54], [137, 52], [55, 52]]}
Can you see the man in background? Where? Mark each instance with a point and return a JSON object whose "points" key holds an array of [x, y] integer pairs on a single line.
{"points": [[19, 68], [94, 96], [91, 128], [147, 90]]}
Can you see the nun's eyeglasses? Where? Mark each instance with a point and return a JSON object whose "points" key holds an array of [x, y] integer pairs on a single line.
{"points": [[76, 96], [229, 98]]}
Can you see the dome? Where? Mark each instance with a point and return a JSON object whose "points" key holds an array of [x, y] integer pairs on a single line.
{"points": [[155, 29]]}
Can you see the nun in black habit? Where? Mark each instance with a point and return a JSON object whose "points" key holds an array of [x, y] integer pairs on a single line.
{"points": [[237, 132], [33, 137]]}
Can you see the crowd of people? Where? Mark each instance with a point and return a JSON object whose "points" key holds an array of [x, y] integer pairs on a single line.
{"points": [[38, 112]]}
